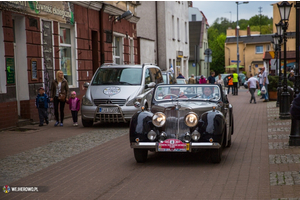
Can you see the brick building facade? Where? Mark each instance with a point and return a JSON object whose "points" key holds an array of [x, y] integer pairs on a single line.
{"points": [[39, 38]]}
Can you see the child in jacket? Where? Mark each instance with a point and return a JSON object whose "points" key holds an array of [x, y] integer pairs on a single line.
{"points": [[41, 103], [74, 105]]}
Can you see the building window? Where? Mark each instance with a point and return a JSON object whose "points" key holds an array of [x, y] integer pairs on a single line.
{"points": [[259, 49], [173, 28], [193, 18], [118, 50], [131, 52], [67, 55], [268, 48], [178, 30]]}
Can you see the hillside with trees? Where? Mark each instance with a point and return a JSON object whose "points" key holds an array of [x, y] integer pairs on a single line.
{"points": [[217, 36]]}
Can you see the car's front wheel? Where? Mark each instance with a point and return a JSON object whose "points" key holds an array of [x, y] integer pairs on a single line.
{"points": [[140, 155], [216, 155], [87, 123]]}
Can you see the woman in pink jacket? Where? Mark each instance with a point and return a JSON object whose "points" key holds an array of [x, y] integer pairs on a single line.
{"points": [[202, 80]]}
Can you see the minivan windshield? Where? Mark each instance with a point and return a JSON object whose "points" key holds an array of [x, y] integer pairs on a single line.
{"points": [[118, 76]]}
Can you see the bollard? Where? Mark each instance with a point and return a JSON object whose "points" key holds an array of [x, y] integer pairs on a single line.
{"points": [[295, 133]]}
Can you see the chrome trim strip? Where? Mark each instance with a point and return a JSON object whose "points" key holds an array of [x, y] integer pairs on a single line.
{"points": [[193, 145]]}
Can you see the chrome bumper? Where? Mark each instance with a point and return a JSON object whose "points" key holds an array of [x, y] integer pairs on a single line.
{"points": [[193, 145], [109, 117]]}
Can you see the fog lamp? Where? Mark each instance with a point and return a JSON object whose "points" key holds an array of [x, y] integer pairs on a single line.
{"points": [[151, 135], [195, 135], [187, 137], [162, 137]]}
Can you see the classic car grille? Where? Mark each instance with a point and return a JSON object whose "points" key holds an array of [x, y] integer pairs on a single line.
{"points": [[120, 102], [171, 127]]}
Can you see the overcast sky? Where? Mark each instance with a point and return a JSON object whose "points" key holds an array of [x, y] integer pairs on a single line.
{"points": [[214, 9]]}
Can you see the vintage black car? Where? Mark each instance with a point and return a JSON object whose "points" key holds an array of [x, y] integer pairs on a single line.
{"points": [[183, 118]]}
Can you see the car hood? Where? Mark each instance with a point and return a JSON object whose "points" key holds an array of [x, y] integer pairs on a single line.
{"points": [[114, 92]]}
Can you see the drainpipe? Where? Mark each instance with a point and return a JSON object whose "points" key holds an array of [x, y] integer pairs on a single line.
{"points": [[228, 56], [101, 34]]}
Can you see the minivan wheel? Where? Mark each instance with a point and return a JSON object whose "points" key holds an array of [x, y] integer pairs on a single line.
{"points": [[87, 123], [140, 155]]}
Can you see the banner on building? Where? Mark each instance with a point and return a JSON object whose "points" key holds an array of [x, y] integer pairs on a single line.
{"points": [[61, 11]]}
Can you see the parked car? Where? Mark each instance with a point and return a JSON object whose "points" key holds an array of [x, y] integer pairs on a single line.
{"points": [[113, 90], [168, 77], [180, 81], [242, 78], [187, 118]]}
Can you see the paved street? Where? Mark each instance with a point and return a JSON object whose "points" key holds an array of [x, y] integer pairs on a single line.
{"points": [[98, 163]]}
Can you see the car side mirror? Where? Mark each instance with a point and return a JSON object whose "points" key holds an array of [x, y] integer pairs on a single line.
{"points": [[150, 85], [86, 84]]}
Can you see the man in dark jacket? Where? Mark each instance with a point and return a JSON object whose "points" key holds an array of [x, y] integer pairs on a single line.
{"points": [[295, 108], [41, 103], [180, 75]]}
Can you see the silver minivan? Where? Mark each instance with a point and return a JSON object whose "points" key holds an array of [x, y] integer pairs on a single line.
{"points": [[114, 89]]}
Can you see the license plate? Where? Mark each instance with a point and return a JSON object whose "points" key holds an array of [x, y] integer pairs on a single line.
{"points": [[109, 110], [173, 145]]}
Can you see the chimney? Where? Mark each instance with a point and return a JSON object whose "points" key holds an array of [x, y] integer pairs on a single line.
{"points": [[190, 4], [248, 31]]}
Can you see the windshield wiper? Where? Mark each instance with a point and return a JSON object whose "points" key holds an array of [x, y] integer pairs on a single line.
{"points": [[125, 83]]}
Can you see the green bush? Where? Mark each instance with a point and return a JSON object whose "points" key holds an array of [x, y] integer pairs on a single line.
{"points": [[273, 83]]}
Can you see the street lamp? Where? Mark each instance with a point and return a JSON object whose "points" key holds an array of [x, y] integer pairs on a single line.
{"points": [[278, 41], [284, 9], [295, 126], [237, 34]]}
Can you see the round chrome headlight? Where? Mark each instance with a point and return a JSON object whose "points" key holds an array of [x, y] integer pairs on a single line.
{"points": [[159, 119], [151, 135], [191, 119], [195, 135]]}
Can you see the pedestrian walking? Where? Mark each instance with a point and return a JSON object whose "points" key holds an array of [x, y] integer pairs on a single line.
{"points": [[220, 81], [230, 84], [211, 79], [235, 81], [202, 80], [261, 84], [252, 83], [192, 80], [74, 105], [292, 76], [59, 96], [41, 103], [265, 80], [180, 75]]}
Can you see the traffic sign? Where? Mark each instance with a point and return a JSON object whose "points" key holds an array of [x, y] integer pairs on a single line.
{"points": [[235, 61]]}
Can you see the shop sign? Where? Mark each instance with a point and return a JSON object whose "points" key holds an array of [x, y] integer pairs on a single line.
{"points": [[10, 71], [61, 11]]}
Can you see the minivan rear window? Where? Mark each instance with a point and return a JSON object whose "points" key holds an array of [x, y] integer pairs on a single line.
{"points": [[118, 76]]}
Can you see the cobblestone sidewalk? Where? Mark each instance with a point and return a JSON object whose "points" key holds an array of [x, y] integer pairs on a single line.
{"points": [[281, 155], [23, 164]]}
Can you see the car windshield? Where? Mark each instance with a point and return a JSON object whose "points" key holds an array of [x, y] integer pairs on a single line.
{"points": [[165, 78], [190, 92], [118, 76]]}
